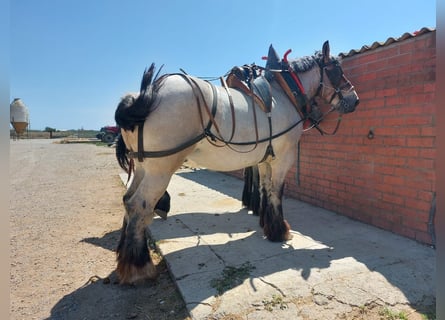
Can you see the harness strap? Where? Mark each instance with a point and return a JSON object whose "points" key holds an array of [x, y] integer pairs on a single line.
{"points": [[165, 153], [232, 106], [141, 154]]}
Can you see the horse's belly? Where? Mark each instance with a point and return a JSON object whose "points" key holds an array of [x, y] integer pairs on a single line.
{"points": [[225, 159]]}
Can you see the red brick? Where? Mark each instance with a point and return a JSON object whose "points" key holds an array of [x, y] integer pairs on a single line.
{"points": [[412, 89], [395, 141], [384, 188], [393, 180], [407, 152], [429, 87], [395, 101], [393, 198], [419, 205], [423, 237], [427, 153], [401, 59], [421, 98], [377, 65], [419, 184], [421, 163], [419, 120], [425, 195], [399, 121], [426, 142], [386, 92], [407, 232], [386, 52], [366, 77], [405, 47], [405, 192], [384, 169], [415, 224]]}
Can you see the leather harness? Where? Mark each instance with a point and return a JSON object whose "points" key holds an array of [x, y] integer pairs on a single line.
{"points": [[288, 81]]}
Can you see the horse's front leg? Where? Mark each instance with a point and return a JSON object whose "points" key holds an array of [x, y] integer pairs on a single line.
{"points": [[145, 197], [274, 226], [133, 257]]}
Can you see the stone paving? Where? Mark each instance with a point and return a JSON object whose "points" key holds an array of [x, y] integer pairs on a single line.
{"points": [[224, 266]]}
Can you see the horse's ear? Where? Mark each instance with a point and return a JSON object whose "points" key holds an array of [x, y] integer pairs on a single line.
{"points": [[326, 52]]}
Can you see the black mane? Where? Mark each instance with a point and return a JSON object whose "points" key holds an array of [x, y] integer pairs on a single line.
{"points": [[308, 62]]}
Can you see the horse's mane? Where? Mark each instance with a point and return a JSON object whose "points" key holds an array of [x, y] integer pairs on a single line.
{"points": [[308, 62]]}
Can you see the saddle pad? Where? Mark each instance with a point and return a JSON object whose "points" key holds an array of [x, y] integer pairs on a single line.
{"points": [[261, 88]]}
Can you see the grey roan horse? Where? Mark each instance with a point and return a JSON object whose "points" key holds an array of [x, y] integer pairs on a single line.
{"points": [[254, 119]]}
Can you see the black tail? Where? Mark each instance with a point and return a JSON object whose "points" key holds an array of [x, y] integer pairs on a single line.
{"points": [[121, 154], [131, 110]]}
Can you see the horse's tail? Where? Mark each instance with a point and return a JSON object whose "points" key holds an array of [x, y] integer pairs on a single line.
{"points": [[133, 110], [121, 154]]}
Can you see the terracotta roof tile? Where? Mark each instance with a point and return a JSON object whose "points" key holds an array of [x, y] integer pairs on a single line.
{"points": [[390, 40]]}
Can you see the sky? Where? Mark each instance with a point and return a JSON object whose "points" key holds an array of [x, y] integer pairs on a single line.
{"points": [[71, 61]]}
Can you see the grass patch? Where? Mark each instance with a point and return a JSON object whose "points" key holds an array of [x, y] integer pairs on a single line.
{"points": [[231, 277], [276, 301], [388, 314]]}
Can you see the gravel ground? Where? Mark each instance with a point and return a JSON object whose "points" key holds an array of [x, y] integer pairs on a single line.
{"points": [[65, 219]]}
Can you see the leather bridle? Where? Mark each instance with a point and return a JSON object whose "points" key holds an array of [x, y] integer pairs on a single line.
{"points": [[335, 76]]}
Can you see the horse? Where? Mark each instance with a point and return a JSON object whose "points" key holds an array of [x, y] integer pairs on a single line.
{"points": [[255, 122]]}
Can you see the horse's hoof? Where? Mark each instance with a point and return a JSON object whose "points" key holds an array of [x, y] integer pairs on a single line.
{"points": [[161, 213], [135, 275], [288, 237]]}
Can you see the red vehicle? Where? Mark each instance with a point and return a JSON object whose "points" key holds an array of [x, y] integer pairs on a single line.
{"points": [[108, 134]]}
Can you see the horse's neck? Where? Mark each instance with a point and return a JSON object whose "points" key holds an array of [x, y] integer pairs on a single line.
{"points": [[310, 81]]}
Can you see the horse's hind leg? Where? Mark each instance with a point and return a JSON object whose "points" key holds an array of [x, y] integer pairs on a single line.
{"points": [[251, 193], [274, 226]]}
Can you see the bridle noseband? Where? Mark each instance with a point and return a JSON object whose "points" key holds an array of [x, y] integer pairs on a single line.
{"points": [[335, 76]]}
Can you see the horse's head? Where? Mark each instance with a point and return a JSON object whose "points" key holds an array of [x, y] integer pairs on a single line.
{"points": [[334, 87]]}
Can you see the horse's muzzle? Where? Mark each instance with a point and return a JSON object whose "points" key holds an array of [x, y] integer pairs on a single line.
{"points": [[348, 104]]}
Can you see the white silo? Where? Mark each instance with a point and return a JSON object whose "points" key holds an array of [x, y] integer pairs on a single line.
{"points": [[19, 116]]}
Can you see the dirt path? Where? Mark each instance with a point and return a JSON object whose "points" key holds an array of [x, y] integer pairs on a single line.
{"points": [[65, 216]]}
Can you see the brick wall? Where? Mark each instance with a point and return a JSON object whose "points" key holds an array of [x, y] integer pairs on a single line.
{"points": [[388, 181]]}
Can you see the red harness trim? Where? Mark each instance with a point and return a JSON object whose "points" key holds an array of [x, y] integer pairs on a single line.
{"points": [[292, 73], [294, 76]]}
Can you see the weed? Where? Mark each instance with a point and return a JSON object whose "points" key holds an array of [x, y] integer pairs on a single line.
{"points": [[276, 301], [231, 277], [388, 314]]}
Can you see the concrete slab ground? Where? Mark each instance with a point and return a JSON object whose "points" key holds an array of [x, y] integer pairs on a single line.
{"points": [[225, 268]]}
